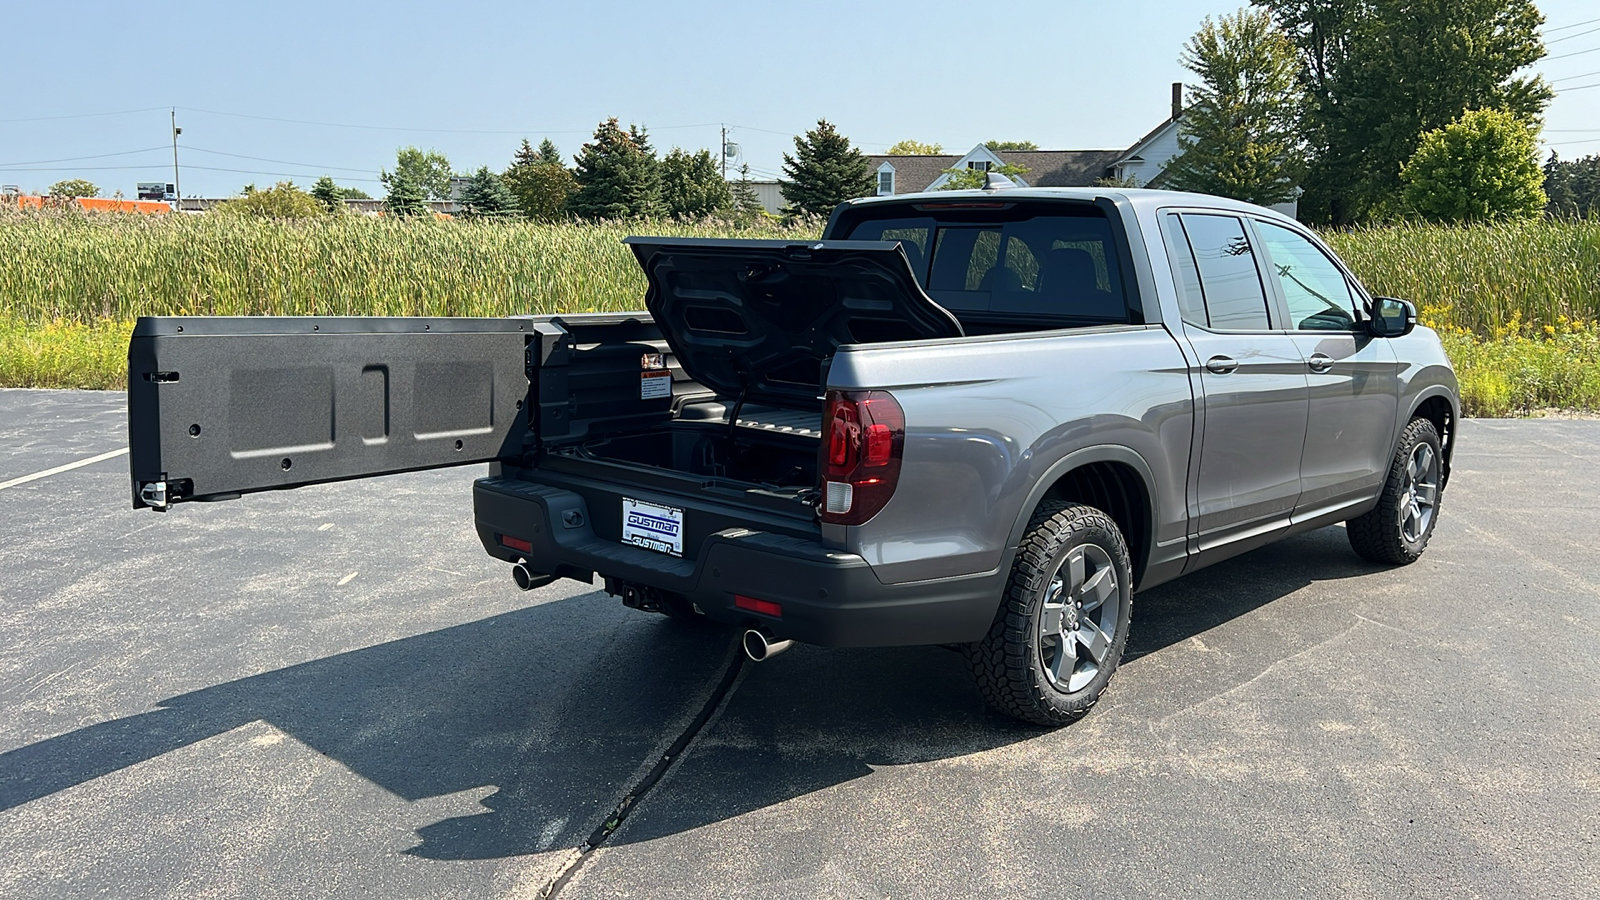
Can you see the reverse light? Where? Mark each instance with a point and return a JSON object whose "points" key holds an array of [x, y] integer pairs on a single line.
{"points": [[863, 438]]}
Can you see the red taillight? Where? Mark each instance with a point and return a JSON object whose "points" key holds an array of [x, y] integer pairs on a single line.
{"points": [[765, 607], [515, 543], [864, 435]]}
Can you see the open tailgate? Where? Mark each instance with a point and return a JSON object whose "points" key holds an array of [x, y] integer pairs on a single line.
{"points": [[223, 406]]}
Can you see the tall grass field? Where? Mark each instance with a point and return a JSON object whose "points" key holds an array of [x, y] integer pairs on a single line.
{"points": [[1516, 304]]}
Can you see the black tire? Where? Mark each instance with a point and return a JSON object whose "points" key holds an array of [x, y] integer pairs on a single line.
{"points": [[1018, 666], [1396, 531]]}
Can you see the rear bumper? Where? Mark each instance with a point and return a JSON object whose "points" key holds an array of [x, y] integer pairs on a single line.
{"points": [[828, 597]]}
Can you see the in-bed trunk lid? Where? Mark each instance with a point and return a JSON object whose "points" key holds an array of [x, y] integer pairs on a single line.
{"points": [[760, 319]]}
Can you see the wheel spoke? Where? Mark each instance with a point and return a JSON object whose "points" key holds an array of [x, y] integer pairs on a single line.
{"points": [[1098, 589], [1427, 494], [1410, 522], [1074, 571], [1093, 640], [1065, 660], [1424, 461], [1051, 617]]}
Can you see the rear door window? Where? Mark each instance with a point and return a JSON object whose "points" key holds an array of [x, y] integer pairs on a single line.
{"points": [[1230, 283]]}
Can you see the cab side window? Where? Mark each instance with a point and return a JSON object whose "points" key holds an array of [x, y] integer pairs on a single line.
{"points": [[1215, 264], [1316, 291]]}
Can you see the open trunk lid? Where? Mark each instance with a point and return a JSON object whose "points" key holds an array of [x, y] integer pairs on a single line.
{"points": [[759, 319]]}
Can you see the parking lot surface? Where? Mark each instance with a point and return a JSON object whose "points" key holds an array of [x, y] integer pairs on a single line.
{"points": [[333, 692]]}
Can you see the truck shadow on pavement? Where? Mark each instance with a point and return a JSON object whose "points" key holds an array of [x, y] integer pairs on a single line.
{"points": [[559, 712]]}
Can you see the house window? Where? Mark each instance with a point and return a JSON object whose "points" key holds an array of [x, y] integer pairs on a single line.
{"points": [[980, 165], [885, 182]]}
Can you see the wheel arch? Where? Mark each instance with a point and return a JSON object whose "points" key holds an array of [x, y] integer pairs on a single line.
{"points": [[1439, 407], [1114, 479]]}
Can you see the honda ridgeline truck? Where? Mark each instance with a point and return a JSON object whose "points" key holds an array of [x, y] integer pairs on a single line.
{"points": [[977, 418]]}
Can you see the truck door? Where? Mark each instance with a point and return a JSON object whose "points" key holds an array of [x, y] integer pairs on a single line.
{"points": [[223, 406], [1253, 380], [1353, 378]]}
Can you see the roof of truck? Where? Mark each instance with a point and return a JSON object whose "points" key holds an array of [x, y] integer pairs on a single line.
{"points": [[1142, 198]]}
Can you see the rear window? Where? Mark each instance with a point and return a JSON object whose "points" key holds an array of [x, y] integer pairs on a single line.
{"points": [[1051, 265]]}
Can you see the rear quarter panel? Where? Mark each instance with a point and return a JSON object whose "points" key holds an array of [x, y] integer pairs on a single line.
{"points": [[987, 418]]}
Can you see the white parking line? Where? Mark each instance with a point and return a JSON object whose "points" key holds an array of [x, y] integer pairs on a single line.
{"points": [[59, 469]]}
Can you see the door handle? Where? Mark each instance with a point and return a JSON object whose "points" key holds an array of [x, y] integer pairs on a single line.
{"points": [[1320, 362], [1221, 365]]}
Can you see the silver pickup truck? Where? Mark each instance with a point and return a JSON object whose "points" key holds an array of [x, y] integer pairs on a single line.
{"points": [[977, 418]]}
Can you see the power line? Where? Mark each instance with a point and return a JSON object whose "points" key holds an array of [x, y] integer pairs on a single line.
{"points": [[1571, 36], [519, 131], [1578, 87], [1573, 25], [1566, 55], [282, 162], [35, 162], [1573, 77], [283, 174], [1565, 143], [123, 112]]}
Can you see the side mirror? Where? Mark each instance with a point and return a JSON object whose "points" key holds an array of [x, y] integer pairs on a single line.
{"points": [[1392, 318]]}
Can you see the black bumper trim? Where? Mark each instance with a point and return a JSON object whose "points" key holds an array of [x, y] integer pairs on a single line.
{"points": [[828, 597]]}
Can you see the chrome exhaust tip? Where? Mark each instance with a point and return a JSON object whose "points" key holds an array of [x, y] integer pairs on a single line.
{"points": [[527, 579], [759, 647]]}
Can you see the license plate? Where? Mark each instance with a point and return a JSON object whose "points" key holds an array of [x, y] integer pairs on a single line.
{"points": [[652, 526]]}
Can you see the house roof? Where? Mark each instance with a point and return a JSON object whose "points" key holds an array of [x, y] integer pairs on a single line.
{"points": [[1061, 168], [1046, 168], [1141, 143], [915, 173]]}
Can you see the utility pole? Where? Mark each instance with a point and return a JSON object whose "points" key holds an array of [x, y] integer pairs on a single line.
{"points": [[722, 150], [177, 186]]}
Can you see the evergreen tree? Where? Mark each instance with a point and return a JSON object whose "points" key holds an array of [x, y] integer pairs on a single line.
{"points": [[824, 172], [616, 178], [691, 187], [744, 200], [1240, 135], [327, 193], [540, 182], [1482, 167], [486, 197], [1573, 186], [405, 198]]}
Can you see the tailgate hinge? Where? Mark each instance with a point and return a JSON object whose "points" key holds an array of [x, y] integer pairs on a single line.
{"points": [[154, 495]]}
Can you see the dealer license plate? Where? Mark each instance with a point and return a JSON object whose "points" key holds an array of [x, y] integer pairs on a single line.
{"points": [[652, 526]]}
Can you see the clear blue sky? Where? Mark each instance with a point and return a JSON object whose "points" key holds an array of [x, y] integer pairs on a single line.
{"points": [[1067, 74]]}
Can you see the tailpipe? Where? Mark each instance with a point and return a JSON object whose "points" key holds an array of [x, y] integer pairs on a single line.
{"points": [[528, 579], [759, 646]]}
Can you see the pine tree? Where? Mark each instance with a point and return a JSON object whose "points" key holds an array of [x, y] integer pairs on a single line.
{"points": [[327, 193], [540, 182], [486, 197], [405, 198], [1240, 136], [746, 203], [616, 178], [691, 187], [824, 172]]}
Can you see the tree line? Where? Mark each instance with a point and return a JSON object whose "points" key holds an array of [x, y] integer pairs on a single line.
{"points": [[1369, 110]]}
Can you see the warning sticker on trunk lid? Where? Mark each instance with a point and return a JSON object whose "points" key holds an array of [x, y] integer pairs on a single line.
{"points": [[652, 526]]}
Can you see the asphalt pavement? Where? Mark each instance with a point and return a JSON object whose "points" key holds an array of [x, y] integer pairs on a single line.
{"points": [[333, 692]]}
